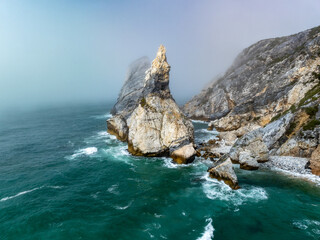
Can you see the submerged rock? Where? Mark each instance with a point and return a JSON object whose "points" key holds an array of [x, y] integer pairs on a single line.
{"points": [[224, 171], [156, 126]]}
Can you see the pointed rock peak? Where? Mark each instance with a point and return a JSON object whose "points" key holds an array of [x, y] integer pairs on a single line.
{"points": [[160, 62]]}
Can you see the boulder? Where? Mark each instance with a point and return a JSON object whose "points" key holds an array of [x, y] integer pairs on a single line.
{"points": [[253, 143], [261, 140], [224, 171], [247, 161], [184, 154], [229, 138]]}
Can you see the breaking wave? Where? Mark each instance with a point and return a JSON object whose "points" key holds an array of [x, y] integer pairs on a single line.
{"points": [[208, 231], [215, 189], [81, 152], [104, 116], [27, 191]]}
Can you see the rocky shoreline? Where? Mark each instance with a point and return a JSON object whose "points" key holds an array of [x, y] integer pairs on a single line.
{"points": [[266, 109]]}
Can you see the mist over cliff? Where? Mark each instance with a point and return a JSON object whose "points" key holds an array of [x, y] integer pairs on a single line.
{"points": [[58, 52]]}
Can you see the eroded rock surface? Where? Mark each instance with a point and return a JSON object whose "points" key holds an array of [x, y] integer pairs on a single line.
{"points": [[257, 143], [224, 171]]}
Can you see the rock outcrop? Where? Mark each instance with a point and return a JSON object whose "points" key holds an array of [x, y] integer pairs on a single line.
{"points": [[255, 145], [265, 79], [154, 124], [267, 105], [223, 170], [315, 161]]}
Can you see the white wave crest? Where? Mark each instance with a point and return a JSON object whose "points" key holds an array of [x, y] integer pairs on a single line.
{"points": [[204, 130], [113, 189], [103, 116], [304, 176], [85, 151], [215, 189], [312, 225], [27, 191], [169, 163], [199, 121], [208, 231], [118, 151], [124, 207], [102, 136]]}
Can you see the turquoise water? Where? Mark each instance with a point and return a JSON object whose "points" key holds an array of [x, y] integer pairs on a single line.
{"points": [[63, 177]]}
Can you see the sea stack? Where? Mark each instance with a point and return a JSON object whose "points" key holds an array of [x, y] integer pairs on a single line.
{"points": [[156, 126]]}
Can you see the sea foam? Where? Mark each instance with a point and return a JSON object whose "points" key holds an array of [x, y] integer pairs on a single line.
{"points": [[27, 191], [81, 152], [215, 189], [208, 231], [103, 116]]}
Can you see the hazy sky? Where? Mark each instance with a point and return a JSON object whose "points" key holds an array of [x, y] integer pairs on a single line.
{"points": [[60, 52]]}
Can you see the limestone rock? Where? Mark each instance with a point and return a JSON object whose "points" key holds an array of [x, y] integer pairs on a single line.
{"points": [[253, 143], [231, 122], [155, 124], [117, 126], [265, 79], [261, 140], [275, 130], [247, 161], [184, 154], [228, 137], [224, 171], [157, 127], [315, 161]]}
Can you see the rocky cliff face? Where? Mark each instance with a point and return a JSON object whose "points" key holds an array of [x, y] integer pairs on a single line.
{"points": [[149, 119], [267, 78], [266, 106], [132, 89]]}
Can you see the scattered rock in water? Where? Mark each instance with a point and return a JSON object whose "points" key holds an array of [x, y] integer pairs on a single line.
{"points": [[223, 170], [185, 154]]}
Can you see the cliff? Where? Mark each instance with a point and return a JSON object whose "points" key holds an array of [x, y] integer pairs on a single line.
{"points": [[265, 79], [266, 106]]}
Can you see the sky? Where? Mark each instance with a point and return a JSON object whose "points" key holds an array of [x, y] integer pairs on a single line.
{"points": [[77, 51]]}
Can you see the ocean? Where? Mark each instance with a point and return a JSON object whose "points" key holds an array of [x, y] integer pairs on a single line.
{"points": [[62, 176]]}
